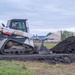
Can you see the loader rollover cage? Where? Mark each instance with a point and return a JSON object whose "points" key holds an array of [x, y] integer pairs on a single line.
{"points": [[18, 24]]}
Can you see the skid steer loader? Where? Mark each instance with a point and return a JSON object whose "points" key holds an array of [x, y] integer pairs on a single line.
{"points": [[16, 39]]}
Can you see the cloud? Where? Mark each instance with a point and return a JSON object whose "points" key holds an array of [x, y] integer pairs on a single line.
{"points": [[45, 31], [43, 15]]}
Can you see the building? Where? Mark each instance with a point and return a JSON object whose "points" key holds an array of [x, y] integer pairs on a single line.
{"points": [[51, 37], [39, 38], [56, 37]]}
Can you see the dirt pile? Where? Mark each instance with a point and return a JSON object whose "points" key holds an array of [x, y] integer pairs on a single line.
{"points": [[66, 46]]}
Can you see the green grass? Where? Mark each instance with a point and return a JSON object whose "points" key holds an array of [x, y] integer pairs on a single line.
{"points": [[49, 45], [35, 68], [14, 68]]}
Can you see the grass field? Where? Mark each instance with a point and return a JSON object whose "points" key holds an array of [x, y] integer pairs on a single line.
{"points": [[35, 68], [50, 45]]}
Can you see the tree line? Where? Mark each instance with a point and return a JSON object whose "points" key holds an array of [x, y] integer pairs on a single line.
{"points": [[66, 34]]}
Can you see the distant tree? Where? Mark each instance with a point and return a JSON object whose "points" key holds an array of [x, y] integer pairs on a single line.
{"points": [[49, 34], [66, 34]]}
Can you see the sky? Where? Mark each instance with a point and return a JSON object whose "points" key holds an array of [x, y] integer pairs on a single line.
{"points": [[43, 15]]}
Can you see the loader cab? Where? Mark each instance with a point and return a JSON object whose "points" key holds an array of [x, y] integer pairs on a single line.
{"points": [[18, 24]]}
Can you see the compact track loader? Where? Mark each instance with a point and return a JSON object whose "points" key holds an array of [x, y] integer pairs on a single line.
{"points": [[16, 39]]}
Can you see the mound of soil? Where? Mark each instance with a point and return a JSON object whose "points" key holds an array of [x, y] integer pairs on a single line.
{"points": [[65, 46]]}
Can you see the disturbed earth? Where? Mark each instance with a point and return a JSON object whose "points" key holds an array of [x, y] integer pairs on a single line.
{"points": [[51, 59], [63, 52]]}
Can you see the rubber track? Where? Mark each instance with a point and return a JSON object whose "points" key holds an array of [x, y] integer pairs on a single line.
{"points": [[52, 58]]}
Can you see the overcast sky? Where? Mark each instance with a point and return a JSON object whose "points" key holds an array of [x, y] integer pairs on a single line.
{"points": [[43, 15]]}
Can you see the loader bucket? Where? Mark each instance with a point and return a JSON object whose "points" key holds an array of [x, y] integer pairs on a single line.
{"points": [[43, 50]]}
